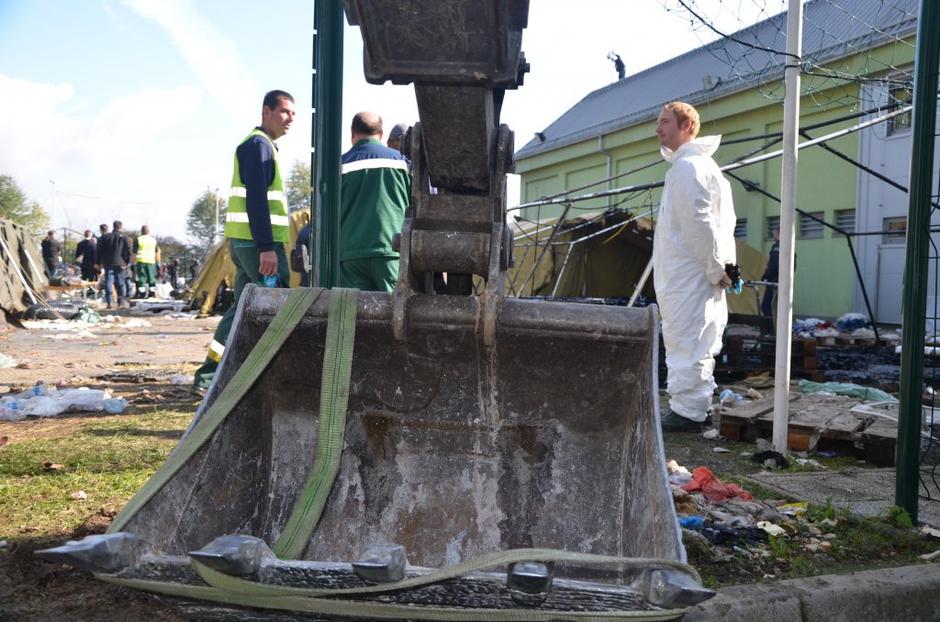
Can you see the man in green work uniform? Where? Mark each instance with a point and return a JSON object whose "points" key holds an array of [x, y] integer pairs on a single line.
{"points": [[256, 221], [148, 255], [376, 189]]}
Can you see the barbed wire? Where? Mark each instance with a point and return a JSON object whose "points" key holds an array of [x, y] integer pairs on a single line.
{"points": [[847, 44]]}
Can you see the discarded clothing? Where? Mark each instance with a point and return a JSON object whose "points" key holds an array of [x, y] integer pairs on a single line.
{"points": [[704, 481]]}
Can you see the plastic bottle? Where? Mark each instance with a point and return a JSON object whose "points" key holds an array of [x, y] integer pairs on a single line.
{"points": [[270, 280]]}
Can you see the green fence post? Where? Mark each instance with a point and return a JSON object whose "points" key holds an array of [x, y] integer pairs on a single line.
{"points": [[327, 138], [915, 267]]}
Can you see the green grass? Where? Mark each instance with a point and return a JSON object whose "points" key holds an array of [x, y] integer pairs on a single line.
{"points": [[108, 459]]}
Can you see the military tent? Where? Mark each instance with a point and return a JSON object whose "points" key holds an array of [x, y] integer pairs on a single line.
{"points": [[218, 269], [602, 255], [21, 273]]}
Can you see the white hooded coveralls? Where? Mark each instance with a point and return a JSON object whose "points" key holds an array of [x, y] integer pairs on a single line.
{"points": [[693, 240]]}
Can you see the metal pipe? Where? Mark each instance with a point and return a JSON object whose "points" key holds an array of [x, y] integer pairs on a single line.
{"points": [[916, 269], [788, 185]]}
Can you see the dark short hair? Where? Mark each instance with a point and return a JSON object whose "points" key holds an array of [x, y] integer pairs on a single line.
{"points": [[118, 224], [50, 232], [360, 125], [273, 98], [102, 227]]}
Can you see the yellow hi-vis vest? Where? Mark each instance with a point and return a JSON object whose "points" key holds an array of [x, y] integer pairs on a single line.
{"points": [[146, 249], [236, 216]]}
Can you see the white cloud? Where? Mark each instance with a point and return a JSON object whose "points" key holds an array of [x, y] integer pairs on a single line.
{"points": [[100, 155], [213, 57]]}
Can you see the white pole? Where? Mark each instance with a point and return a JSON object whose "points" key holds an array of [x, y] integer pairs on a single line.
{"points": [[52, 211], [791, 126], [215, 232]]}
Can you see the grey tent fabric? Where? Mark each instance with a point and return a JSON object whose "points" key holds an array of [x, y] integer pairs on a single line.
{"points": [[20, 267]]}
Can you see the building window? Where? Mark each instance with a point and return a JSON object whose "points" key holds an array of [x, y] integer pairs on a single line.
{"points": [[740, 228], [810, 228], [773, 224], [900, 95], [845, 220], [895, 230]]}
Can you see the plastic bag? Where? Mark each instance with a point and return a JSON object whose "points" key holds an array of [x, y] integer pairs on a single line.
{"points": [[868, 394]]}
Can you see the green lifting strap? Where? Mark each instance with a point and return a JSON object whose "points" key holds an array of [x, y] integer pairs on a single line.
{"points": [[280, 329], [334, 397]]}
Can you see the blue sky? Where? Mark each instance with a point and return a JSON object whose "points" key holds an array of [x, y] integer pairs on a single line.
{"points": [[134, 107]]}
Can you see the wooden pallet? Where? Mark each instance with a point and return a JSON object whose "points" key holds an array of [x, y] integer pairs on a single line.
{"points": [[748, 354], [816, 420]]}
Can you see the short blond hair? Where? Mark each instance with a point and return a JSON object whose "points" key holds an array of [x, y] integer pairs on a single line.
{"points": [[685, 112]]}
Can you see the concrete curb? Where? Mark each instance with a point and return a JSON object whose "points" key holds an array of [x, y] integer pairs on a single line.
{"points": [[904, 594]]}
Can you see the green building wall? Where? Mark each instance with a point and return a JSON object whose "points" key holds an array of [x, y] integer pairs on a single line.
{"points": [[825, 278]]}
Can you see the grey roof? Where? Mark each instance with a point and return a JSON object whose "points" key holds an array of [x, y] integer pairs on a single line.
{"points": [[831, 30]]}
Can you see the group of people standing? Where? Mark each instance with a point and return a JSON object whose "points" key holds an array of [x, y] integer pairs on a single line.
{"points": [[113, 252], [693, 251], [376, 189]]}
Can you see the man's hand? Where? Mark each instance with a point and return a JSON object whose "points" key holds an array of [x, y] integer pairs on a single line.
{"points": [[267, 263], [725, 281]]}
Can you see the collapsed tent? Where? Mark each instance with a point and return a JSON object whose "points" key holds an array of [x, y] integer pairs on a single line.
{"points": [[21, 274], [603, 255], [218, 269]]}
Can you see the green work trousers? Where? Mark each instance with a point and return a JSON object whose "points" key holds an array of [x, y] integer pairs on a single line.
{"points": [[370, 274], [245, 257]]}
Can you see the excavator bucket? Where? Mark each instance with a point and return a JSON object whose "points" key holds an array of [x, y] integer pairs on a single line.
{"points": [[376, 455]]}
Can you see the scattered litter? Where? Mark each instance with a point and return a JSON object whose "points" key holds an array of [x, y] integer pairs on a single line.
{"points": [[137, 323], [42, 401], [809, 462], [721, 450], [52, 466], [181, 379], [809, 326], [930, 531], [929, 557], [704, 481], [794, 509], [774, 458], [752, 394], [849, 322], [868, 394], [826, 454], [710, 434], [692, 522], [678, 474], [7, 361], [729, 397], [79, 495], [771, 529]]}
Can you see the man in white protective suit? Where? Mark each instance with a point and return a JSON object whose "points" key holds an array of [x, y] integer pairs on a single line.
{"points": [[693, 241]]}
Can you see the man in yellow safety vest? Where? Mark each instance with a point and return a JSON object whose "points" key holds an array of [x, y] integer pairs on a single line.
{"points": [[148, 256], [256, 221]]}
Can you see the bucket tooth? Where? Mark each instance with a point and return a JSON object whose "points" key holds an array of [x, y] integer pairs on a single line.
{"points": [[672, 588], [530, 582], [238, 556], [382, 563], [108, 552]]}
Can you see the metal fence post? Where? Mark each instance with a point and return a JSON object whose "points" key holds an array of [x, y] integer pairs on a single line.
{"points": [[327, 138], [915, 267]]}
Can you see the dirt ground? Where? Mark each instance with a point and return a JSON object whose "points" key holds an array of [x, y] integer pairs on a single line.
{"points": [[134, 362]]}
